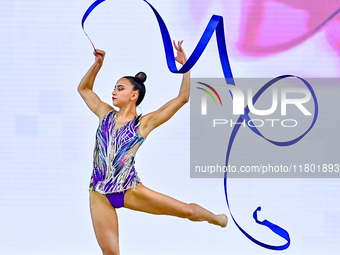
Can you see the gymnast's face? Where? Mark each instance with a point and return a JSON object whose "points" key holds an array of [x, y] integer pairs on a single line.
{"points": [[123, 93]]}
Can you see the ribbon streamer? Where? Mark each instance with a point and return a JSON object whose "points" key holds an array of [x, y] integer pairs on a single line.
{"points": [[216, 25], [87, 13]]}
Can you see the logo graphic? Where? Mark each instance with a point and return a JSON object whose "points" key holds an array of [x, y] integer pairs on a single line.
{"points": [[204, 97], [239, 99]]}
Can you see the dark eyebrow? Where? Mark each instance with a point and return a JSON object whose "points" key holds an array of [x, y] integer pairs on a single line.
{"points": [[120, 86]]}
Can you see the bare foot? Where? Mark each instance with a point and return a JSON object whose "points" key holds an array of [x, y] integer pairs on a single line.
{"points": [[223, 220]]}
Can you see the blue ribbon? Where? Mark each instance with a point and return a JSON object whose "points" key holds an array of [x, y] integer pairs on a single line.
{"points": [[216, 24], [87, 13]]}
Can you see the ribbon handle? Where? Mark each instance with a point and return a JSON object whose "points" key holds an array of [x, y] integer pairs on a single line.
{"points": [[87, 13]]}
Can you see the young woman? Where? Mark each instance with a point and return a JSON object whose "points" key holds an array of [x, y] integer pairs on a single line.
{"points": [[114, 182]]}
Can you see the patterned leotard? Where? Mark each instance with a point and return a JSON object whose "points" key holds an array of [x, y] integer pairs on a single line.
{"points": [[114, 153]]}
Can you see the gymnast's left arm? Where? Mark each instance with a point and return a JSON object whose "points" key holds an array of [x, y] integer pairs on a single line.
{"points": [[163, 114]]}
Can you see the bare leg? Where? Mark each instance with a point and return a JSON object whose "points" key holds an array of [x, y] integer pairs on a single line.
{"points": [[146, 200], [105, 223]]}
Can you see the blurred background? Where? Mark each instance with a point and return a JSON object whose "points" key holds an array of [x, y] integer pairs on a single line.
{"points": [[47, 132]]}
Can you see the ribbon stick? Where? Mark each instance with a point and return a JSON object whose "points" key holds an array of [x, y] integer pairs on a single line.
{"points": [[216, 25], [87, 13]]}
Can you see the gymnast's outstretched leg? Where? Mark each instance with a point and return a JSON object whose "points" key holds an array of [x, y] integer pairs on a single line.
{"points": [[146, 200]]}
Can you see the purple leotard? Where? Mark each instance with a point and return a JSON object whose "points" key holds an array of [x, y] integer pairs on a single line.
{"points": [[113, 157]]}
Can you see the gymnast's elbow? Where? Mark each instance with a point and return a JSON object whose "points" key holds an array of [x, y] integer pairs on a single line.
{"points": [[184, 99]]}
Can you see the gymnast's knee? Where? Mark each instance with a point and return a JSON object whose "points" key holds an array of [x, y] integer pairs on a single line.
{"points": [[111, 252], [191, 211]]}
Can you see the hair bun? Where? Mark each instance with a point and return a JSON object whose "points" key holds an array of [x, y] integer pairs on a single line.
{"points": [[141, 76]]}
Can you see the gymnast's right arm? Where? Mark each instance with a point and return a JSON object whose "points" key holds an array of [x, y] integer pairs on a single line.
{"points": [[96, 105]]}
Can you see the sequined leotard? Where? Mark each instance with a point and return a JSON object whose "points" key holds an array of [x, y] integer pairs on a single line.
{"points": [[114, 153]]}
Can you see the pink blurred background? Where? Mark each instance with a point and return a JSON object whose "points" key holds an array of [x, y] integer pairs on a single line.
{"points": [[267, 27]]}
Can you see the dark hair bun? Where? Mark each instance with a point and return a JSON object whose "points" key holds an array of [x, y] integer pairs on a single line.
{"points": [[141, 76]]}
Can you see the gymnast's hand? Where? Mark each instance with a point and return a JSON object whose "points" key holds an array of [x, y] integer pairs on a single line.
{"points": [[181, 57], [100, 54]]}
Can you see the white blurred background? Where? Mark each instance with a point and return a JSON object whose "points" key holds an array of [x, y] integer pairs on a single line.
{"points": [[47, 133]]}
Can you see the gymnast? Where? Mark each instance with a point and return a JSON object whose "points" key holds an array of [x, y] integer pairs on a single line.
{"points": [[114, 181]]}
